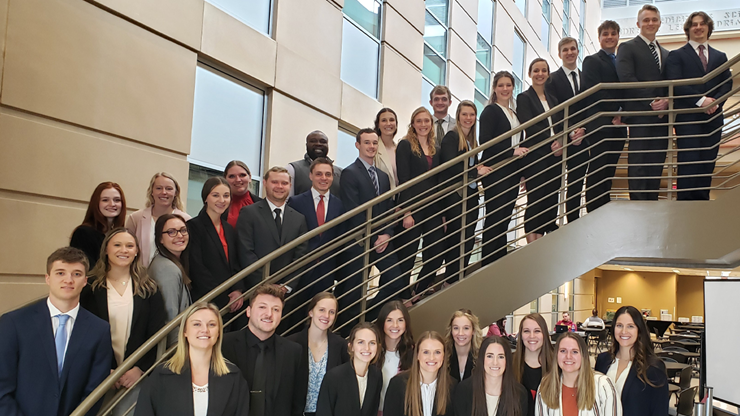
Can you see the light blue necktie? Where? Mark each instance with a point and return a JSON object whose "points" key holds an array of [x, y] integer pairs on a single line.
{"points": [[60, 339]]}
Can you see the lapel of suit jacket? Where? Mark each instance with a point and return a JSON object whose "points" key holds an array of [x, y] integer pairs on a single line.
{"points": [[631, 377], [183, 382], [366, 176], [138, 306], [266, 213], [607, 60], [219, 390], [279, 353], [213, 234], [694, 57], [76, 341], [101, 301], [713, 61], [47, 336], [566, 82], [536, 100]]}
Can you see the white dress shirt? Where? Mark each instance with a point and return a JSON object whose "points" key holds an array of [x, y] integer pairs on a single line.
{"points": [[492, 404], [53, 311], [316, 200], [612, 374], [273, 207], [390, 368], [657, 49], [695, 45], [428, 392], [200, 400], [514, 122], [570, 78], [362, 386]]}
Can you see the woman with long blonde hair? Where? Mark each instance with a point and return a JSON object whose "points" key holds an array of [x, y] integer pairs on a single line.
{"points": [[572, 388], [416, 154], [534, 355], [462, 343], [426, 389], [197, 380]]}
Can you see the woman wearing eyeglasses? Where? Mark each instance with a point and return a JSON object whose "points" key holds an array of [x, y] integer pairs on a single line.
{"points": [[212, 250]]}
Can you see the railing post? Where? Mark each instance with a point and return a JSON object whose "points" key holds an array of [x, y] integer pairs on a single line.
{"points": [[563, 189], [672, 155], [463, 227], [265, 271], [366, 263]]}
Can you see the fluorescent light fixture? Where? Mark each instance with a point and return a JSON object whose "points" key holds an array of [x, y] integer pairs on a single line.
{"points": [[725, 274]]}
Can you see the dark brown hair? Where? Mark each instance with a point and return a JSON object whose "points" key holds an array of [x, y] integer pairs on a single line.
{"points": [[536, 60], [237, 163], [321, 161], [366, 130], [496, 78], [644, 354], [267, 289], [94, 218], [608, 25], [211, 183], [508, 404], [353, 335], [181, 262], [377, 120], [69, 255], [707, 20], [406, 344], [546, 352]]}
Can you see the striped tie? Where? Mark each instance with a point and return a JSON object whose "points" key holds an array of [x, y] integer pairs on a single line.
{"points": [[373, 176], [655, 53]]}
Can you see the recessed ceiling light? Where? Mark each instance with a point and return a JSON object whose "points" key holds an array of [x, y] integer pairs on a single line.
{"points": [[725, 274], [676, 271], [628, 269]]}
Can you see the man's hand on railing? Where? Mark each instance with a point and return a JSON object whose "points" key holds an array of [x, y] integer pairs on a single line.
{"points": [[484, 170], [129, 378], [617, 121], [520, 152], [556, 147], [577, 136], [238, 304], [659, 105], [707, 103], [381, 243], [408, 221]]}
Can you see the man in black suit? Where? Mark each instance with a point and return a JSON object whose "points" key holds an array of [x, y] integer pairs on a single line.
{"points": [[53, 353], [270, 363], [267, 225], [564, 84], [643, 59], [701, 129], [317, 145], [607, 132], [362, 182]]}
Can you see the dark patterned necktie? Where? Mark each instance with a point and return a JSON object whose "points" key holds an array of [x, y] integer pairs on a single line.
{"points": [[654, 51], [703, 58]]}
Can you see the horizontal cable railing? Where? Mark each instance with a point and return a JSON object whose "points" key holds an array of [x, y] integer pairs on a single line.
{"points": [[504, 226]]}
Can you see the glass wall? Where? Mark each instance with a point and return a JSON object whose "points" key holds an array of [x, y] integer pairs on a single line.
{"points": [[483, 53], [361, 45], [518, 62], [566, 18], [435, 41], [346, 151], [546, 19]]}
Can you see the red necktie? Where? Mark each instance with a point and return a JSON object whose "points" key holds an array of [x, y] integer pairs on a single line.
{"points": [[703, 58], [320, 211]]}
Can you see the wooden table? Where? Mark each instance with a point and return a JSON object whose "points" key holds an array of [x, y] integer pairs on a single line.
{"points": [[674, 368]]}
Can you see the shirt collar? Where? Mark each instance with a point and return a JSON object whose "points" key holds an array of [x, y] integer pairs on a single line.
{"points": [[252, 339], [54, 311], [568, 71], [646, 39], [609, 53], [316, 194], [695, 45], [445, 118], [431, 386], [367, 165], [273, 206]]}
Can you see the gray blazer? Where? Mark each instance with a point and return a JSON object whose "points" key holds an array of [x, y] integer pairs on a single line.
{"points": [[174, 292]]}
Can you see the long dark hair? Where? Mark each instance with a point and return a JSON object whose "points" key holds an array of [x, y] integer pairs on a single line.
{"points": [[406, 344], [95, 219], [182, 262], [508, 403], [644, 355], [547, 354], [376, 127]]}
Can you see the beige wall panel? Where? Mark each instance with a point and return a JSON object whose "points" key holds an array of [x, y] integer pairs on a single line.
{"points": [[504, 34], [80, 159], [460, 85], [403, 37], [358, 109], [3, 27], [411, 10], [461, 55], [690, 296], [290, 123], [237, 45], [463, 25], [307, 81], [400, 85], [74, 61], [312, 29], [653, 291], [16, 294], [184, 25], [500, 61], [339, 3], [470, 7]]}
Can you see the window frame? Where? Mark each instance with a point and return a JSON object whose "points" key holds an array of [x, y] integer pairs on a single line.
{"points": [[440, 55], [372, 37]]}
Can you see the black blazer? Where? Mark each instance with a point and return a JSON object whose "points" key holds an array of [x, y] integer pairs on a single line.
{"points": [[208, 264], [258, 237], [340, 394], [558, 85], [165, 393], [337, 347], [598, 68], [89, 240], [394, 403], [448, 151], [464, 399], [635, 63], [638, 398], [529, 106], [357, 188], [411, 165], [455, 366], [493, 123], [149, 317], [684, 63], [287, 395], [30, 383]]}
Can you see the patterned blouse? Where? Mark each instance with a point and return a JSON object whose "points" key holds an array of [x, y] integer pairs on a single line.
{"points": [[316, 372]]}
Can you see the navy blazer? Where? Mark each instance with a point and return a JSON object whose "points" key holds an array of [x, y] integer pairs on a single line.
{"points": [[165, 393], [209, 266], [357, 188], [684, 63], [340, 393], [303, 203], [598, 68], [638, 398], [29, 379]]}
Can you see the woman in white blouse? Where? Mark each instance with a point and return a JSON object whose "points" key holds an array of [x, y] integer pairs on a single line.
{"points": [[396, 342], [197, 380], [162, 197], [426, 389], [572, 388], [386, 127]]}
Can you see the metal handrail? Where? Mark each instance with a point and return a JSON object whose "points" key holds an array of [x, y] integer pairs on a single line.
{"points": [[365, 231]]}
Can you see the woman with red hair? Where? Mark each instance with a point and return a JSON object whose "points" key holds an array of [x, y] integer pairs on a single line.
{"points": [[105, 211]]}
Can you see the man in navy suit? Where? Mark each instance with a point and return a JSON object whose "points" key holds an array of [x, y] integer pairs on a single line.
{"points": [[318, 205], [362, 182], [702, 129], [643, 59], [53, 353]]}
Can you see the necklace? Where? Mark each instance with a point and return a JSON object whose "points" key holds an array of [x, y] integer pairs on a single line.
{"points": [[199, 389]]}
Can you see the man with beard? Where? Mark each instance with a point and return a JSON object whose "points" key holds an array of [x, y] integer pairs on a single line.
{"points": [[317, 145]]}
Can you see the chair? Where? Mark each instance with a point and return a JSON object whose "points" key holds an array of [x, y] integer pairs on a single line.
{"points": [[685, 405], [676, 355], [690, 346], [677, 349], [668, 360]]}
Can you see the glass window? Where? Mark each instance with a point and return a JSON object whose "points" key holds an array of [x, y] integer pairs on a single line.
{"points": [[546, 19], [366, 13], [227, 122], [439, 8], [482, 78], [434, 66], [566, 17], [483, 52], [480, 102], [255, 13], [517, 62], [435, 35], [360, 59], [485, 20], [522, 5], [346, 150], [197, 176], [426, 89]]}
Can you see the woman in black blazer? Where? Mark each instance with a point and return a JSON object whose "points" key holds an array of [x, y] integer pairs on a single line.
{"points": [[105, 211], [197, 380], [541, 166], [644, 388], [322, 349], [429, 367], [416, 154], [456, 142], [121, 293], [510, 396], [212, 248], [341, 391], [462, 343], [501, 179]]}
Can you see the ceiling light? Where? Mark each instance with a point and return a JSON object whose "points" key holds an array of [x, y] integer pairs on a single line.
{"points": [[628, 269], [676, 271], [725, 274]]}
